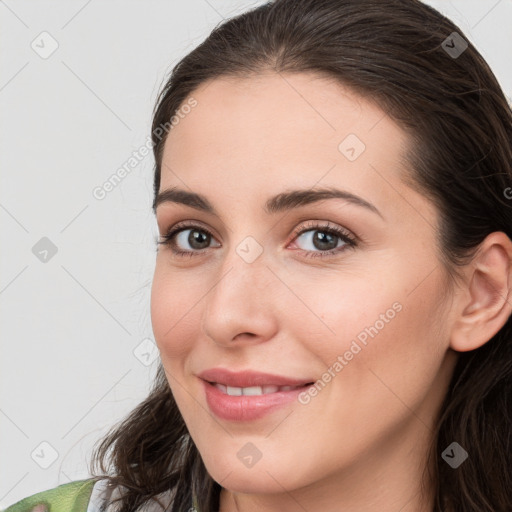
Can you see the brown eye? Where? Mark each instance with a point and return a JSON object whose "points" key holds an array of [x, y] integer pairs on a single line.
{"points": [[195, 239], [319, 239], [323, 240], [187, 240]]}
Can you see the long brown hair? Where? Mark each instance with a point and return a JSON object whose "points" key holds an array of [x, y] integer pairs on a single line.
{"points": [[400, 54]]}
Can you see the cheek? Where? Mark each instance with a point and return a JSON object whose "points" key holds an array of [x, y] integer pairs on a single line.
{"points": [[339, 308], [174, 308], [364, 328], [175, 321], [402, 349]]}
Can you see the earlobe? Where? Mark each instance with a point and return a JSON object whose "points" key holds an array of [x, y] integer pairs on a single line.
{"points": [[487, 303]]}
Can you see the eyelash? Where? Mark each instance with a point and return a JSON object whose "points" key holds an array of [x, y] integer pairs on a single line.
{"points": [[168, 239]]}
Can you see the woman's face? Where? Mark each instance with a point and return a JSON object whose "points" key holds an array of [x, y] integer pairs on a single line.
{"points": [[276, 289]]}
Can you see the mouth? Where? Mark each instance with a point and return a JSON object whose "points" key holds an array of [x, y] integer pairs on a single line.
{"points": [[251, 380], [249, 403], [255, 390]]}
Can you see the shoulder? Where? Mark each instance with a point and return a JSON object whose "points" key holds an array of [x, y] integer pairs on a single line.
{"points": [[90, 495], [71, 497]]}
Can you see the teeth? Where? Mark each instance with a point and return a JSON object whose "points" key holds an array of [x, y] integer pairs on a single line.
{"points": [[252, 390], [234, 391], [223, 388]]}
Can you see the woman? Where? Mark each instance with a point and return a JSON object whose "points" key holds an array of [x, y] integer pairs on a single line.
{"points": [[332, 293]]}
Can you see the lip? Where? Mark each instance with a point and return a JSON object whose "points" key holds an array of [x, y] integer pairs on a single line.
{"points": [[247, 408], [249, 378]]}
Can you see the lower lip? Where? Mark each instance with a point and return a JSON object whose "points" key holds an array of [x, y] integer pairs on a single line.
{"points": [[247, 408]]}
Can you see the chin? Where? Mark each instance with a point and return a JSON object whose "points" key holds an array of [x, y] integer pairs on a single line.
{"points": [[251, 481], [266, 476]]}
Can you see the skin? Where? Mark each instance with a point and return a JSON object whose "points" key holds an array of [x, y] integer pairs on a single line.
{"points": [[360, 444]]}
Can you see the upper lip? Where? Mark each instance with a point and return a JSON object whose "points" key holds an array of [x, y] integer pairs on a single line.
{"points": [[248, 378]]}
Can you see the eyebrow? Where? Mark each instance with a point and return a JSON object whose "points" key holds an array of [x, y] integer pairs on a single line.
{"points": [[279, 203]]}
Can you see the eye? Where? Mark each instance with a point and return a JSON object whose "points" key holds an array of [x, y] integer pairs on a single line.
{"points": [[323, 240], [181, 235]]}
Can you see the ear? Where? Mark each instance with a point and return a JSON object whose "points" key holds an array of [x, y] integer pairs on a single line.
{"points": [[486, 304]]}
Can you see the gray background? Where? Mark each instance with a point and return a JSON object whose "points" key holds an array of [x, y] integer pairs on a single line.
{"points": [[76, 331]]}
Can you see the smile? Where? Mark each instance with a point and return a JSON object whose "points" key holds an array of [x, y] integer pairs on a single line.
{"points": [[252, 390], [248, 403]]}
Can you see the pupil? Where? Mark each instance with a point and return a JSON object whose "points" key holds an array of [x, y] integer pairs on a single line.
{"points": [[321, 238], [196, 236]]}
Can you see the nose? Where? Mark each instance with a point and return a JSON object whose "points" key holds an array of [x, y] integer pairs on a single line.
{"points": [[241, 305]]}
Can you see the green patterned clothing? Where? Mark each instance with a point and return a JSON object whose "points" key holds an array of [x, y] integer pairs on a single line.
{"points": [[83, 496]]}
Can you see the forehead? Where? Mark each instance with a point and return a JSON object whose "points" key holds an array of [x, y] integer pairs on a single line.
{"points": [[277, 131], [278, 108]]}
